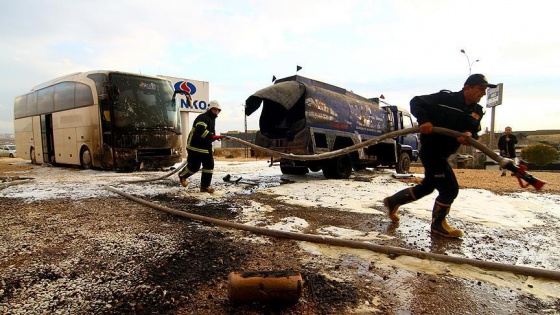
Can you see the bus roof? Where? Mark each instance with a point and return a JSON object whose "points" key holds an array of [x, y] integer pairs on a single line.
{"points": [[80, 76]]}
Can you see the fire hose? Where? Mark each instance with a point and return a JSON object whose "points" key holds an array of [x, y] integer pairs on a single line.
{"points": [[389, 250], [519, 170], [383, 249]]}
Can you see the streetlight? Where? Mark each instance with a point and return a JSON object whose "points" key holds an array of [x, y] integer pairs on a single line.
{"points": [[469, 61]]}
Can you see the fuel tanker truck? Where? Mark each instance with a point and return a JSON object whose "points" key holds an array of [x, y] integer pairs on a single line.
{"points": [[302, 116]]}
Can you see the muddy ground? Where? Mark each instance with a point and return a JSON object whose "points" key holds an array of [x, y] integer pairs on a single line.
{"points": [[112, 256]]}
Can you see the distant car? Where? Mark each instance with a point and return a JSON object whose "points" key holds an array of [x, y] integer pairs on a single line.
{"points": [[8, 150]]}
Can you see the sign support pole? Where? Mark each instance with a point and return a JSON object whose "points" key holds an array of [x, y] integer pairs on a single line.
{"points": [[492, 119], [494, 99]]}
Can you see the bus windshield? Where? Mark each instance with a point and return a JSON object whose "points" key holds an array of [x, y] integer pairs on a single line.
{"points": [[143, 104]]}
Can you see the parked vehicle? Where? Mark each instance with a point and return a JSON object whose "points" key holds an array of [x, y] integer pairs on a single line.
{"points": [[8, 150], [104, 119], [304, 116]]}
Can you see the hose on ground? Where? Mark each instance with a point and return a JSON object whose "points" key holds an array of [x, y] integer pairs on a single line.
{"points": [[503, 162], [155, 178], [384, 249]]}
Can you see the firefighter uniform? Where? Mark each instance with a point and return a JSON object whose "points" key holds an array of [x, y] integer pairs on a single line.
{"points": [[448, 110], [199, 149]]}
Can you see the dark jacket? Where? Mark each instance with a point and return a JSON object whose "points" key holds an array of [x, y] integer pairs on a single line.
{"points": [[508, 147], [200, 137], [448, 110]]}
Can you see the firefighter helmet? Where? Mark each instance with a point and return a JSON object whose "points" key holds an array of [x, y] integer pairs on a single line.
{"points": [[214, 104]]}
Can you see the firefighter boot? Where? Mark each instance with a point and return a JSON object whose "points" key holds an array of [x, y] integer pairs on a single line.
{"points": [[439, 224], [205, 181], [209, 190], [183, 175], [184, 181], [395, 201]]}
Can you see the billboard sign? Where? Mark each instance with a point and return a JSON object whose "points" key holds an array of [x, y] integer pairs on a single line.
{"points": [[494, 96], [199, 91]]}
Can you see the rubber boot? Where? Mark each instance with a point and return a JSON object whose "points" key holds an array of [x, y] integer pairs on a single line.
{"points": [[184, 181], [205, 181], [395, 201], [183, 175], [439, 224], [209, 190]]}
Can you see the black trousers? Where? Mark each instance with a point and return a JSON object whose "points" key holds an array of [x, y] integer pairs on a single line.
{"points": [[439, 175], [194, 161]]}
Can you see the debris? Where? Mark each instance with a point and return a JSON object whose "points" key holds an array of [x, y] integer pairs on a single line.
{"points": [[265, 286], [237, 180], [403, 176]]}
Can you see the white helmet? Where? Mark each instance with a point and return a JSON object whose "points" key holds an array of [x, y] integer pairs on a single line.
{"points": [[214, 104]]}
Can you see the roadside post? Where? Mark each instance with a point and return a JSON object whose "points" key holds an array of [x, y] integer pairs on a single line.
{"points": [[494, 99]]}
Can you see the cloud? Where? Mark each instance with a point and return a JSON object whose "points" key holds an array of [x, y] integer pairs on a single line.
{"points": [[401, 48]]}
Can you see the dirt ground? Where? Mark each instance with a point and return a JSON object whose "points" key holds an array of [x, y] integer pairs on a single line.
{"points": [[112, 256]]}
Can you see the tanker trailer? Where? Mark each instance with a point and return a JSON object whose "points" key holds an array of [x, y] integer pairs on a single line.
{"points": [[305, 117]]}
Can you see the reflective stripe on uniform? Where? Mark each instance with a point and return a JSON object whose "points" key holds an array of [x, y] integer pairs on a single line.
{"points": [[185, 171], [189, 139], [197, 149]]}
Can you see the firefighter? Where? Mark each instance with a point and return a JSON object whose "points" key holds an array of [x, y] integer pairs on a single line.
{"points": [[458, 111], [199, 148]]}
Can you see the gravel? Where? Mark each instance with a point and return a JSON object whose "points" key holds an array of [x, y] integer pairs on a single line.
{"points": [[106, 255]]}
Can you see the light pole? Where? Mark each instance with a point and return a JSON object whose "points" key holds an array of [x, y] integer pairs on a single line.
{"points": [[469, 61], [246, 137]]}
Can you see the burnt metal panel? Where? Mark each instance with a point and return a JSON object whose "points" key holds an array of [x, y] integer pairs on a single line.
{"points": [[285, 93]]}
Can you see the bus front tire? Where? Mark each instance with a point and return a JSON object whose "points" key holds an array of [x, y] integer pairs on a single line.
{"points": [[85, 158]]}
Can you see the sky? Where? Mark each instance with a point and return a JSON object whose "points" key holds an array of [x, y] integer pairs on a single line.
{"points": [[398, 49]]}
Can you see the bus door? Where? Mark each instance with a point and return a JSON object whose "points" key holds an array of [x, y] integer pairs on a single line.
{"points": [[47, 138], [108, 158]]}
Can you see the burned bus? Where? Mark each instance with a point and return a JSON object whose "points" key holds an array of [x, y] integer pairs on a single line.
{"points": [[104, 119]]}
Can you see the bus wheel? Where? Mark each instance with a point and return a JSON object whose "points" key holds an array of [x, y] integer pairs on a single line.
{"points": [[403, 166], [32, 156], [85, 158]]}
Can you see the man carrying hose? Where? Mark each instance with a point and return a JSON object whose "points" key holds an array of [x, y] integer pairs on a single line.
{"points": [[458, 111], [199, 148]]}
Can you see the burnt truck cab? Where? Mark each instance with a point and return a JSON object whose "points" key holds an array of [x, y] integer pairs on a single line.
{"points": [[302, 116]]}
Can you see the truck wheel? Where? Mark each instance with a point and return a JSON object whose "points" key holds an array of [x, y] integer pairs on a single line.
{"points": [[358, 167], [293, 169], [403, 166], [314, 167], [339, 167]]}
